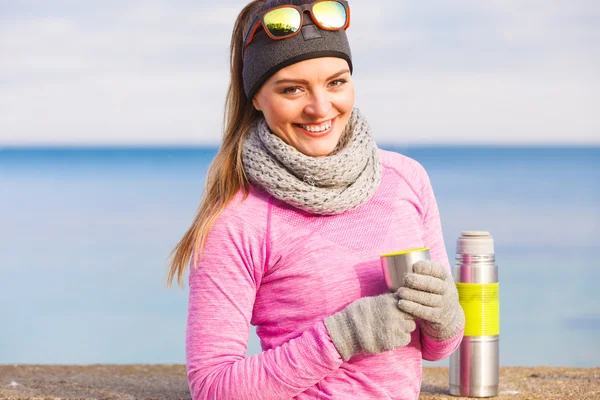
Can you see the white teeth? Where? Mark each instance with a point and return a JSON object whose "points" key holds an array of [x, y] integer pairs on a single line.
{"points": [[317, 128]]}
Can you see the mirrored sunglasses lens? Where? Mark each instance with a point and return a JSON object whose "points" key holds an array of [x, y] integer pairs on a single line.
{"points": [[283, 21], [330, 14]]}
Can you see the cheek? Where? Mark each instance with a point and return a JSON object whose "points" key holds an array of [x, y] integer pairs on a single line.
{"points": [[281, 113], [345, 102]]}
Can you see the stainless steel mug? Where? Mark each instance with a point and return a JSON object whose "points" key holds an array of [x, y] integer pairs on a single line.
{"points": [[396, 265], [475, 366]]}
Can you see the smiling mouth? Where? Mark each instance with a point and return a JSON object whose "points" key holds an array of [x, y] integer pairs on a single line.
{"points": [[318, 130]]}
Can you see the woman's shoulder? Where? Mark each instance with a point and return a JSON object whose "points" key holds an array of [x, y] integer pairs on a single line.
{"points": [[404, 166], [249, 208], [238, 235]]}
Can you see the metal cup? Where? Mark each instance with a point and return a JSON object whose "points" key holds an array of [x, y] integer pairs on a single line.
{"points": [[396, 265]]}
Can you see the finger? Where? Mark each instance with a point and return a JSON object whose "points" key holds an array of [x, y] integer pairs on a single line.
{"points": [[410, 325], [403, 327], [389, 302], [387, 309], [418, 296], [430, 268], [404, 315], [418, 310], [425, 283]]}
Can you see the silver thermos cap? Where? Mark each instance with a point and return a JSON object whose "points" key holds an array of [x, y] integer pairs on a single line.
{"points": [[475, 243]]}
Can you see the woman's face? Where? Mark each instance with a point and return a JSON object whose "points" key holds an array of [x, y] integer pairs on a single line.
{"points": [[308, 104]]}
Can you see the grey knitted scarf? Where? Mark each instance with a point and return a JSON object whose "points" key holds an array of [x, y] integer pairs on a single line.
{"points": [[328, 185]]}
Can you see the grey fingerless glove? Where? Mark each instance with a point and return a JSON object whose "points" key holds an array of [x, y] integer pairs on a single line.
{"points": [[430, 294], [370, 325]]}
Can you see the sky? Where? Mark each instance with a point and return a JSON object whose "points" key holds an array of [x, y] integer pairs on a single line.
{"points": [[155, 72]]}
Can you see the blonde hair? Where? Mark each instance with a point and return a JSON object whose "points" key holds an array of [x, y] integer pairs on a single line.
{"points": [[225, 176]]}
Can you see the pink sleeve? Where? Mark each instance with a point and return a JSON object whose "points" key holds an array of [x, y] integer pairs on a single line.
{"points": [[433, 349], [221, 301]]}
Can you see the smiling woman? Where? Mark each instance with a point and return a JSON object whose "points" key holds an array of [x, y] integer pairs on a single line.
{"points": [[299, 205], [308, 104]]}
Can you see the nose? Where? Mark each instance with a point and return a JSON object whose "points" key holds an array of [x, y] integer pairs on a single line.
{"points": [[319, 105]]}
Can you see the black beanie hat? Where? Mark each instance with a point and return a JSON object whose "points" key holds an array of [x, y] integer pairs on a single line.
{"points": [[265, 56]]}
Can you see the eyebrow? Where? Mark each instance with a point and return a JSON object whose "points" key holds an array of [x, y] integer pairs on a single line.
{"points": [[342, 72]]}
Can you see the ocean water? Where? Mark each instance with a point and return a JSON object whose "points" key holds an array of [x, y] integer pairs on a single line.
{"points": [[85, 235]]}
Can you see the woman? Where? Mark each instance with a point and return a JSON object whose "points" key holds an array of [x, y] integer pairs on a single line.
{"points": [[299, 205]]}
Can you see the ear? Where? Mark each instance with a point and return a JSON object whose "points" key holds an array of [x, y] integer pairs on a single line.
{"points": [[256, 105]]}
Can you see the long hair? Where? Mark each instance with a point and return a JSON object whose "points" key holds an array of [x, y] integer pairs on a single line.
{"points": [[225, 176]]}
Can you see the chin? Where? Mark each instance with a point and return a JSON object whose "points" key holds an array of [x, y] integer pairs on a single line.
{"points": [[316, 146], [318, 153], [320, 150]]}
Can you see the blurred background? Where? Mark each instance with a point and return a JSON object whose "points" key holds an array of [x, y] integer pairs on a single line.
{"points": [[110, 113]]}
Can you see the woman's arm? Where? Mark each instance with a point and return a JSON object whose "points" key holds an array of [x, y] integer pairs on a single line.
{"points": [[221, 301], [434, 349]]}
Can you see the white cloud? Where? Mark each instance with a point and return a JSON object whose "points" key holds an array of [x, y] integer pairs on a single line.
{"points": [[156, 71], [486, 109]]}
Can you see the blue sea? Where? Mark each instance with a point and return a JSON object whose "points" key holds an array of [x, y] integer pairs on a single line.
{"points": [[85, 234]]}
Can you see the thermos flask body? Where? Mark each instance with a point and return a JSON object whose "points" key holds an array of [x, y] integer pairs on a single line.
{"points": [[474, 367]]}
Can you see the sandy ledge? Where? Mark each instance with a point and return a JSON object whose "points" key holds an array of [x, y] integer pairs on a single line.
{"points": [[50, 382]]}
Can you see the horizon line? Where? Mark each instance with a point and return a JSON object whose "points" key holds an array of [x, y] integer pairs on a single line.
{"points": [[34, 147]]}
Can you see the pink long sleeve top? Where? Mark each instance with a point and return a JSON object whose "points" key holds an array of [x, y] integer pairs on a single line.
{"points": [[283, 270]]}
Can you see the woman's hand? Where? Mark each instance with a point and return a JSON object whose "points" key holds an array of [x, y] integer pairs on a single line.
{"points": [[430, 294], [370, 325]]}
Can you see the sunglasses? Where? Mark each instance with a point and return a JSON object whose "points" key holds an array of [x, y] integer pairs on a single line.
{"points": [[285, 21]]}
